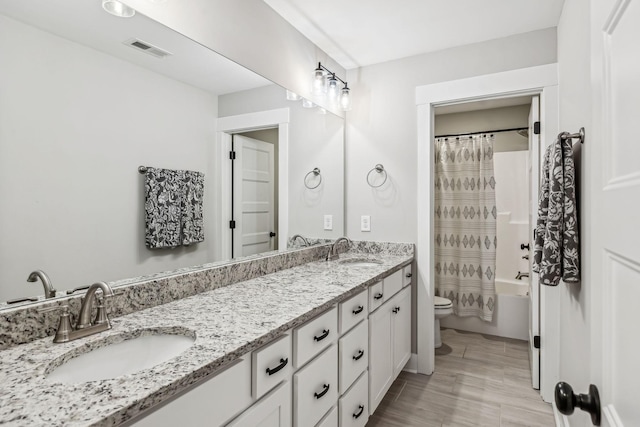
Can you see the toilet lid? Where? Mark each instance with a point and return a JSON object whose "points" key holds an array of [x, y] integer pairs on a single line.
{"points": [[441, 302]]}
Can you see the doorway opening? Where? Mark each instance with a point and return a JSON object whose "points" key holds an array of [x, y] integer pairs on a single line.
{"points": [[254, 192], [508, 129], [542, 80]]}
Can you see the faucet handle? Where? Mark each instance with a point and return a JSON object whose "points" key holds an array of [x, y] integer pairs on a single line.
{"points": [[64, 324]]}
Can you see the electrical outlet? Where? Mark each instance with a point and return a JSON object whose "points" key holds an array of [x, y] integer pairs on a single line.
{"points": [[328, 222], [365, 223]]}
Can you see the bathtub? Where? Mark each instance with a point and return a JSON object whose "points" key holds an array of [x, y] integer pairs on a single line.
{"points": [[510, 317]]}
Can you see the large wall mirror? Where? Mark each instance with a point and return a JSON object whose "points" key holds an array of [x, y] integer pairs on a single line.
{"points": [[86, 98]]}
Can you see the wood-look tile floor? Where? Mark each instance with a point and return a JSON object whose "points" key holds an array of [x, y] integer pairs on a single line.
{"points": [[479, 380]]}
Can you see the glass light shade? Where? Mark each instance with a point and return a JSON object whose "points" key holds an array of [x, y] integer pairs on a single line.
{"points": [[322, 110], [117, 8], [307, 104], [319, 83], [332, 88], [292, 96], [345, 99]]}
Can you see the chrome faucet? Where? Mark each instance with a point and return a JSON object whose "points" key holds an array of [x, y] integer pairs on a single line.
{"points": [[305, 242], [49, 292], [520, 275], [85, 325], [333, 251]]}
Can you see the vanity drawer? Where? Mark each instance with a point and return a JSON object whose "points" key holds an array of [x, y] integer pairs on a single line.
{"points": [[315, 388], [392, 284], [331, 419], [353, 406], [314, 336], [353, 355], [406, 275], [353, 311], [376, 296], [270, 365], [211, 402]]}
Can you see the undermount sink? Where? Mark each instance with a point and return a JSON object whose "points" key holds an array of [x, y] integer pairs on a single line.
{"points": [[121, 358], [360, 262]]}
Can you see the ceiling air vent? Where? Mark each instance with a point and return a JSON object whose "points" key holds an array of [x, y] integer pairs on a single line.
{"points": [[147, 48]]}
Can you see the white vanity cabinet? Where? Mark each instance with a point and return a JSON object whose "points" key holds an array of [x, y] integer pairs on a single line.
{"points": [[389, 344], [332, 371]]}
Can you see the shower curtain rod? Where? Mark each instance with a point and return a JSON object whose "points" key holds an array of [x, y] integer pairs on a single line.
{"points": [[484, 131]]}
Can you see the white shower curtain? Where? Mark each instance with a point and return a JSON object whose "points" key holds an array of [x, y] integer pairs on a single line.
{"points": [[465, 224]]}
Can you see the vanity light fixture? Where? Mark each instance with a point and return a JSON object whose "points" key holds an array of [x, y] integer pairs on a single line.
{"points": [[117, 8], [325, 82]]}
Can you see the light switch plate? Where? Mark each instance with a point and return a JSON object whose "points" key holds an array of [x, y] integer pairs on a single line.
{"points": [[365, 223], [328, 222]]}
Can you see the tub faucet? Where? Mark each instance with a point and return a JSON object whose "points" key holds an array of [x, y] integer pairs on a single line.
{"points": [[333, 251], [49, 292], [305, 242], [520, 275]]}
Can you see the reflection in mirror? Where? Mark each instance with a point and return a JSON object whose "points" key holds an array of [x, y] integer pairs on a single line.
{"points": [[81, 110]]}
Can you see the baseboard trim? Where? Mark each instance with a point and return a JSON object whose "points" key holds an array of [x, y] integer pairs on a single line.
{"points": [[561, 420], [412, 364]]}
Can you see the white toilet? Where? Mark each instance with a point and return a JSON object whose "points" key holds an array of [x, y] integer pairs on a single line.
{"points": [[442, 307]]}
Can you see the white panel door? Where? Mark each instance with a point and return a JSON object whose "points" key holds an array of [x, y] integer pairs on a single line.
{"points": [[253, 196], [615, 192], [534, 284]]}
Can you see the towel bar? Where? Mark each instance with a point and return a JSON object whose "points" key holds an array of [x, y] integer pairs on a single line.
{"points": [[579, 135]]}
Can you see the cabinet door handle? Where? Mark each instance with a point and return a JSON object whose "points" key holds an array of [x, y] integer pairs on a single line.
{"points": [[283, 363], [396, 310], [325, 333], [325, 389], [358, 310], [360, 411], [378, 295], [359, 355], [408, 275]]}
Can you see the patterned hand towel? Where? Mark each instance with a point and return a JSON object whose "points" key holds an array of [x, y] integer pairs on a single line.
{"points": [[163, 196], [192, 223], [556, 249]]}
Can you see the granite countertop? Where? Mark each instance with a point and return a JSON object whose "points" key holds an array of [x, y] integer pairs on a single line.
{"points": [[228, 322]]}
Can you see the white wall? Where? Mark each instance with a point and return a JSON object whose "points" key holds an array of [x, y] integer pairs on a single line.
{"points": [[381, 128], [248, 32], [575, 112], [75, 124], [512, 200], [315, 140]]}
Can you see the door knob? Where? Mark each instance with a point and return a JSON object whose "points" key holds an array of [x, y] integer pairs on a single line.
{"points": [[567, 401], [272, 234]]}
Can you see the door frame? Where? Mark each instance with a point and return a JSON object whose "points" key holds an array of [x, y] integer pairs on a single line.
{"points": [[227, 126], [541, 80]]}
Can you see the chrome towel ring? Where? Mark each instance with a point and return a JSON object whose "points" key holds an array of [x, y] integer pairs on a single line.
{"points": [[379, 169], [316, 173]]}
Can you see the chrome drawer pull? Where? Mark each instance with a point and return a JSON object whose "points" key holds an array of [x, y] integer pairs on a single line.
{"points": [[358, 310], [357, 414], [359, 355], [378, 295], [323, 392], [283, 363], [325, 333]]}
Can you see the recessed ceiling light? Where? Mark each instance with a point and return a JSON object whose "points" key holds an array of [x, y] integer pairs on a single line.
{"points": [[117, 8]]}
